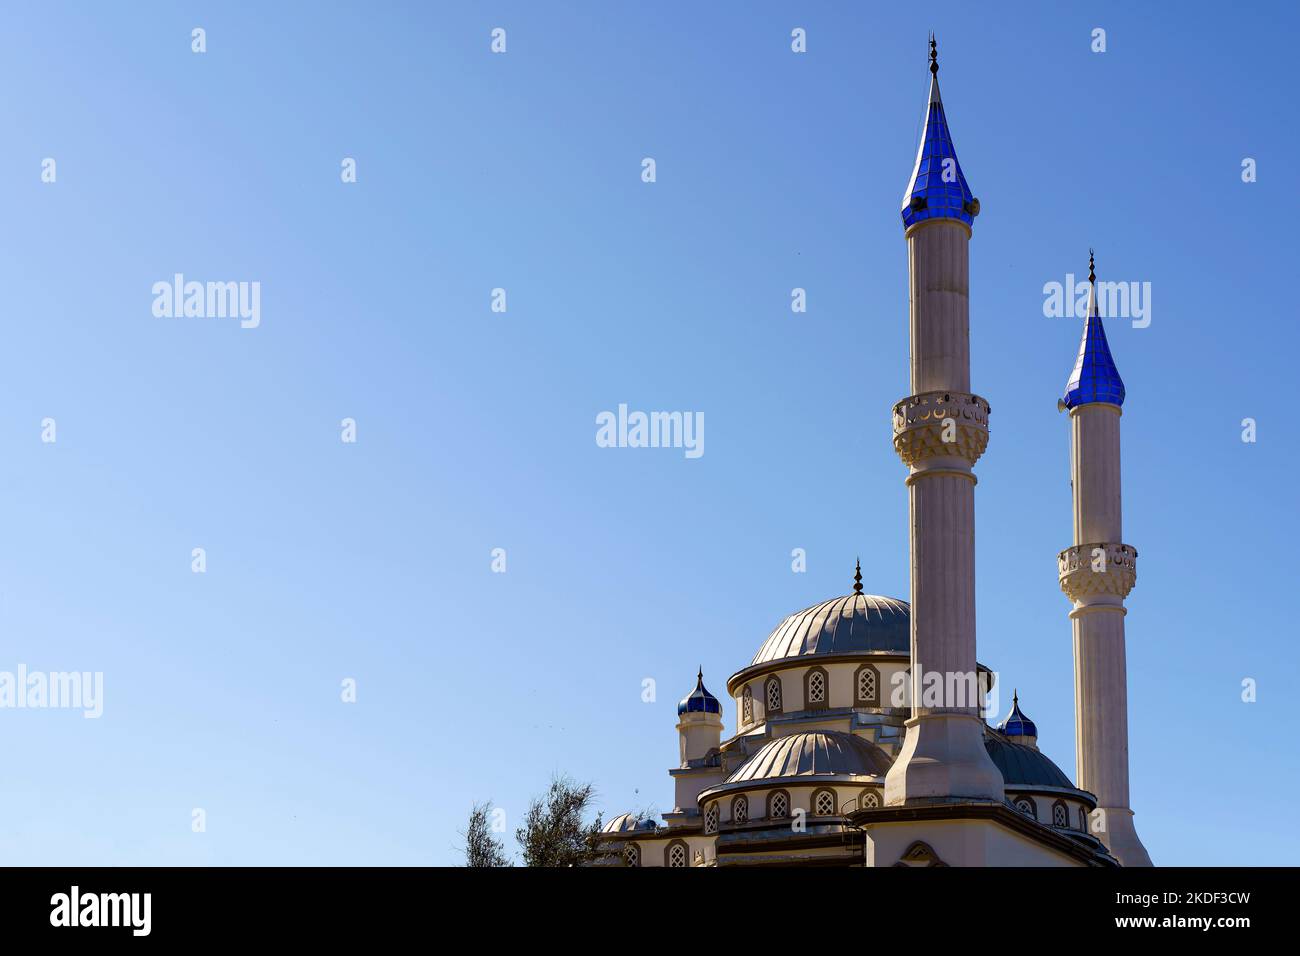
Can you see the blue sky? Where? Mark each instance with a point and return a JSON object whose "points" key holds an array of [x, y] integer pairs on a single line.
{"points": [[522, 171]]}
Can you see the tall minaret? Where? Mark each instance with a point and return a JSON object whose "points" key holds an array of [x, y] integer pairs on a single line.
{"points": [[1097, 573], [939, 432]]}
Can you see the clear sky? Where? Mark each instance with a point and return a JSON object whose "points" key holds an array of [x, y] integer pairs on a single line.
{"points": [[476, 429]]}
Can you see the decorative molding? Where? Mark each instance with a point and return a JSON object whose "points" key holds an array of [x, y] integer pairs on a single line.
{"points": [[920, 853], [919, 427], [1079, 581]]}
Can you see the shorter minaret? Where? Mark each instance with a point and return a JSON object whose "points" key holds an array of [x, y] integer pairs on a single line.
{"points": [[1097, 573], [699, 730]]}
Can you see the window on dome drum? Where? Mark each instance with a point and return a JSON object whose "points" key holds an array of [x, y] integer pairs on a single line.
{"points": [[824, 803], [867, 686], [815, 688], [1060, 815], [778, 805], [632, 855], [870, 800], [1025, 806], [1083, 819], [772, 692], [747, 705], [740, 810], [675, 854], [711, 819]]}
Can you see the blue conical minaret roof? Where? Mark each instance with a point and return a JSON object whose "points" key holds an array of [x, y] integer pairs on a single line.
{"points": [[938, 188], [1095, 377], [1017, 724], [699, 700]]}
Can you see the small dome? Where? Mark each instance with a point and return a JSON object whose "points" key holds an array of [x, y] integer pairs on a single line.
{"points": [[1017, 724], [852, 624], [1023, 766], [813, 754], [626, 822], [699, 701]]}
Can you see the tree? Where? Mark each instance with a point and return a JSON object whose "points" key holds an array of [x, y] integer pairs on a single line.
{"points": [[481, 847], [554, 831]]}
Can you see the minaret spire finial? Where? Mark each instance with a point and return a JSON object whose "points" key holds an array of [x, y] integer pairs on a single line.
{"points": [[857, 578], [934, 57], [1092, 272]]}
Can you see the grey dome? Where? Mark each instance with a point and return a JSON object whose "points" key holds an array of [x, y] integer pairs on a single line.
{"points": [[844, 625], [811, 755], [625, 822], [1024, 766]]}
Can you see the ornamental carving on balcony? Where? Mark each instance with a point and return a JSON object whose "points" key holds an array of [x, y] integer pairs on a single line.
{"points": [[941, 425], [1091, 569]]}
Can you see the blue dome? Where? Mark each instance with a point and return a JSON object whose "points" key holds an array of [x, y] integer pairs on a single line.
{"points": [[1095, 377], [938, 188], [1017, 724], [699, 701]]}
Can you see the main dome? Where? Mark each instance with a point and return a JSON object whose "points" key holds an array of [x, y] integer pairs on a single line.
{"points": [[851, 624]]}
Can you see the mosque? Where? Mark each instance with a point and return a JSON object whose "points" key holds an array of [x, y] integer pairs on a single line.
{"points": [[860, 739]]}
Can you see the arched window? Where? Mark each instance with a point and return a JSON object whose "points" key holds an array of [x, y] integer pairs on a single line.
{"points": [[866, 686], [1083, 819], [772, 691], [824, 803], [1025, 806], [675, 854], [740, 810], [870, 800], [632, 855], [778, 805], [711, 818], [815, 688], [1060, 814], [747, 705]]}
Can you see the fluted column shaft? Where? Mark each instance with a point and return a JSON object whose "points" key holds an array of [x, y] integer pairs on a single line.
{"points": [[1097, 575], [939, 432]]}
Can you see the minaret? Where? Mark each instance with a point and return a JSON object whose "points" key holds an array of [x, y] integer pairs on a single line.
{"points": [[1097, 573], [939, 432], [699, 731]]}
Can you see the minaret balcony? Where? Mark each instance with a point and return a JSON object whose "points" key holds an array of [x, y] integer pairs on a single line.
{"points": [[1089, 571], [941, 425]]}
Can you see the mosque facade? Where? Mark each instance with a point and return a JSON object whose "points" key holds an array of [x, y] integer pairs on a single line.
{"points": [[860, 737]]}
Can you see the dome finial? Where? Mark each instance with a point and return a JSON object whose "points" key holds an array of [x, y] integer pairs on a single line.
{"points": [[857, 577], [934, 57]]}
